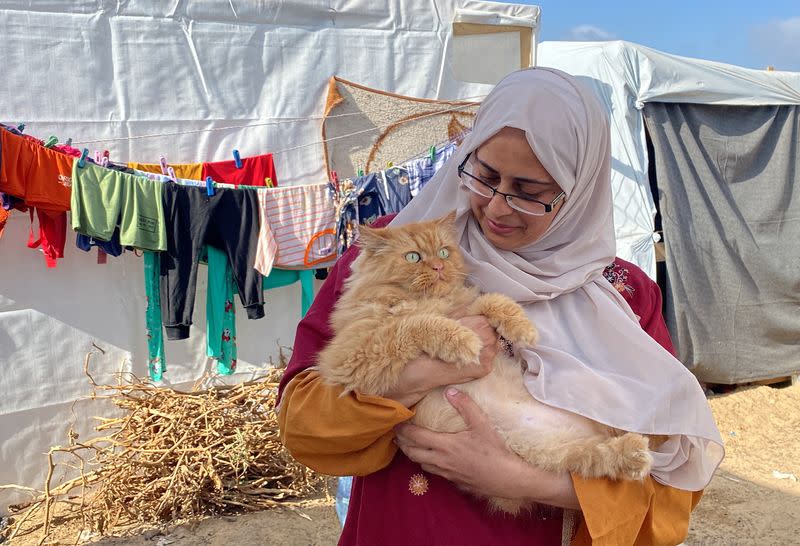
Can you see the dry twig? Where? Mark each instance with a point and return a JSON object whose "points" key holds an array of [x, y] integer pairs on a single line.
{"points": [[174, 456]]}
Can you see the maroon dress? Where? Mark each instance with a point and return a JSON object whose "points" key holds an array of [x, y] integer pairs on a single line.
{"points": [[402, 505]]}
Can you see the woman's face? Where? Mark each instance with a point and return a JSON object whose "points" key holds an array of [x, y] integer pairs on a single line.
{"points": [[508, 163]]}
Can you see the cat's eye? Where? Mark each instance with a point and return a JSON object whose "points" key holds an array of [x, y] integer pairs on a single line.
{"points": [[444, 253], [413, 257]]}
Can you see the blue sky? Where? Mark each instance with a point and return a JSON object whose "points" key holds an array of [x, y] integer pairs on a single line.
{"points": [[749, 34]]}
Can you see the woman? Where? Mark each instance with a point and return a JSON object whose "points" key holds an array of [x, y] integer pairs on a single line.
{"points": [[531, 187]]}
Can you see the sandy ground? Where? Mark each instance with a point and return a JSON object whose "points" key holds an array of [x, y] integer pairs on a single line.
{"points": [[752, 500]]}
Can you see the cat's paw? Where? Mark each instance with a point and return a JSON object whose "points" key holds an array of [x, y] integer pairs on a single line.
{"points": [[507, 317], [520, 331], [636, 460], [463, 348]]}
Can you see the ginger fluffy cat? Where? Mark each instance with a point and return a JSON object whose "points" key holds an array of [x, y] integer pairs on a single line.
{"points": [[402, 299]]}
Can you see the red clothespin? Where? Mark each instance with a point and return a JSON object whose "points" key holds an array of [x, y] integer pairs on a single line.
{"points": [[237, 159], [105, 159], [335, 180]]}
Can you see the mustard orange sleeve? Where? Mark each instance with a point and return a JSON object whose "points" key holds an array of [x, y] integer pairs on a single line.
{"points": [[338, 435], [625, 512]]}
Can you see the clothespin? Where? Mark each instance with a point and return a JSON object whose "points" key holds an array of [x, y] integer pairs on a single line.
{"points": [[69, 141], [97, 157], [237, 159], [51, 141], [104, 161], [106, 154], [389, 165], [360, 172], [82, 160], [268, 182], [335, 180], [21, 127], [163, 162], [432, 153], [209, 186], [171, 174]]}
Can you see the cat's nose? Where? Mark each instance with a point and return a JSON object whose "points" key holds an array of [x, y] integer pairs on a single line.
{"points": [[437, 266]]}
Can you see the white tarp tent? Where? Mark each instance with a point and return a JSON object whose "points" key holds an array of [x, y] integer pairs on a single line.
{"points": [[113, 76], [625, 77]]}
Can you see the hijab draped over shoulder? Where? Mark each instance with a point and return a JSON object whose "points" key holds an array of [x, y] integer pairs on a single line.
{"points": [[593, 358]]}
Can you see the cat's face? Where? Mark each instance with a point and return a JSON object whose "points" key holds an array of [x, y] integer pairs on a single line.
{"points": [[422, 258]]}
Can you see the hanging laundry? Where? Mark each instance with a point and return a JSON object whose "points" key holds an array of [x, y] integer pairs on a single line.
{"points": [[297, 227], [254, 171], [227, 220], [4, 214], [156, 362], [103, 198], [346, 196], [112, 247], [422, 169], [52, 235], [220, 306], [38, 175], [279, 278], [189, 171], [220, 311]]}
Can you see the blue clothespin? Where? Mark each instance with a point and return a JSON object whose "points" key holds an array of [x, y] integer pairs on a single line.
{"points": [[82, 160], [209, 186], [237, 159], [51, 141], [21, 127], [433, 154]]}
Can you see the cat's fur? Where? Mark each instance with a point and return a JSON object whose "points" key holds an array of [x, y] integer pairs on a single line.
{"points": [[392, 311]]}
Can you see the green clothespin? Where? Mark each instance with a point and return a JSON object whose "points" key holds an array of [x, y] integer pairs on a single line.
{"points": [[360, 172], [432, 152], [51, 141], [21, 127]]}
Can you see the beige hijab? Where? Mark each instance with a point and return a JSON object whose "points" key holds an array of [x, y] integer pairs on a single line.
{"points": [[593, 358]]}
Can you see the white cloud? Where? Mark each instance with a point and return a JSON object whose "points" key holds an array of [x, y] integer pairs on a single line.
{"points": [[778, 43], [588, 33]]}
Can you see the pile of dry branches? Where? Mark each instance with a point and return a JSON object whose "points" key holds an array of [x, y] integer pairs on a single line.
{"points": [[174, 456]]}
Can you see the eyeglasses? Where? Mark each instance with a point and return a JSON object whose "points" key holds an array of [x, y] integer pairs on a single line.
{"points": [[521, 203]]}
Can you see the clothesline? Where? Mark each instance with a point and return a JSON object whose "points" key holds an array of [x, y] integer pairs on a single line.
{"points": [[306, 145]]}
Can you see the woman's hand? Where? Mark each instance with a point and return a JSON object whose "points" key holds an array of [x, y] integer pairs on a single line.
{"points": [[477, 460], [425, 373]]}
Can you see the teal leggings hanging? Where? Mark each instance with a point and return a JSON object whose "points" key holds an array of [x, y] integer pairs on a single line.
{"points": [[220, 308], [220, 312], [157, 362]]}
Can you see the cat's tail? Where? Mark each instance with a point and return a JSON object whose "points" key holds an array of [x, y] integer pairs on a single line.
{"points": [[597, 456]]}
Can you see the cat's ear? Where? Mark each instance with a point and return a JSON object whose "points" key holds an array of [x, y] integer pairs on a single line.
{"points": [[447, 221], [372, 239]]}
